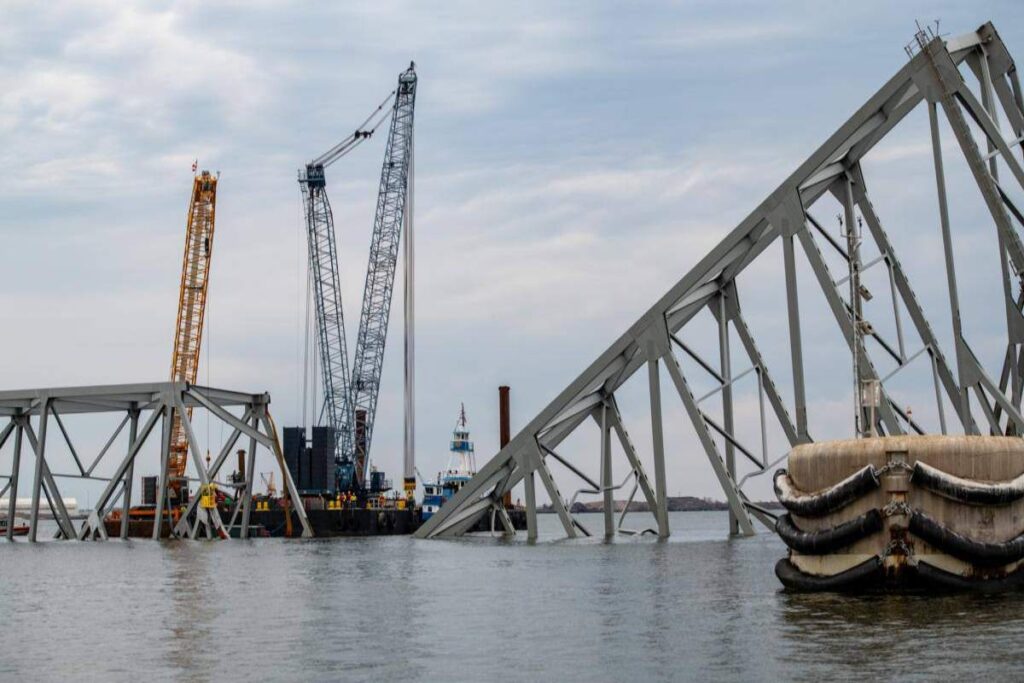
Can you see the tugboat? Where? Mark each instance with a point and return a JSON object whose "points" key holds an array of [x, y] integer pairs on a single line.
{"points": [[460, 469]]}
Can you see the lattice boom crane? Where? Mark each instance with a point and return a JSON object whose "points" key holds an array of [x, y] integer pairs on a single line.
{"points": [[380, 274], [350, 400], [326, 283], [188, 336]]}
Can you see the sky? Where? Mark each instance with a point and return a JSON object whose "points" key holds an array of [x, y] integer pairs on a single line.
{"points": [[573, 160]]}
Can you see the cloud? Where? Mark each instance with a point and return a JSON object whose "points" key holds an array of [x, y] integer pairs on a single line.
{"points": [[91, 101], [725, 34]]}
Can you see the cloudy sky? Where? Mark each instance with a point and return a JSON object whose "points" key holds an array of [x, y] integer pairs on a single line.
{"points": [[573, 160]]}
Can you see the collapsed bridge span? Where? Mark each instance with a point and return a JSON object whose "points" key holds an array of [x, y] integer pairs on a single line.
{"points": [[972, 83]]}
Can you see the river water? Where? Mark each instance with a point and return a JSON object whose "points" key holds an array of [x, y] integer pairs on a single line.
{"points": [[698, 606]]}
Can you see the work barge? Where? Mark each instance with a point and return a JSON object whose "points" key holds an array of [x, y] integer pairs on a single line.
{"points": [[908, 499]]}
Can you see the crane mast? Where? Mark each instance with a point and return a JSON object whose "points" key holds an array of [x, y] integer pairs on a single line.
{"points": [[380, 273], [326, 283], [188, 336]]}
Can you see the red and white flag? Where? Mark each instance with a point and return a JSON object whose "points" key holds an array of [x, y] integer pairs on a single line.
{"points": [[195, 165]]}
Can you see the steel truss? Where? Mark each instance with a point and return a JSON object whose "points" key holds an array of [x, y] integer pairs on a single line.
{"points": [[326, 279], [932, 78], [143, 406], [388, 220]]}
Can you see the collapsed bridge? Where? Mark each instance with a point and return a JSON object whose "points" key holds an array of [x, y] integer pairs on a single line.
{"points": [[971, 82]]}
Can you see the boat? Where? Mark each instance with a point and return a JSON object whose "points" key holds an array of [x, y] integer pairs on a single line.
{"points": [[460, 469], [18, 530]]}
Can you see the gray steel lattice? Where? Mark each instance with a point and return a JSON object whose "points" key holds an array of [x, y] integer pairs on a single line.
{"points": [[326, 282], [380, 273], [932, 78], [143, 406]]}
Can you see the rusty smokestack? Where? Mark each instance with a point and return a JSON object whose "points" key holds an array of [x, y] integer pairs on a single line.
{"points": [[360, 444], [504, 431], [241, 463]]}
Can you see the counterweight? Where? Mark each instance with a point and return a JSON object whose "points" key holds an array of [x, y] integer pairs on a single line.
{"points": [[188, 336]]}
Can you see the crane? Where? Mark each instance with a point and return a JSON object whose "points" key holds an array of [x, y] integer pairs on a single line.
{"points": [[380, 273], [188, 335], [350, 398]]}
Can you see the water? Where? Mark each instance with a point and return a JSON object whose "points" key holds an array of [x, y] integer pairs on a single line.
{"points": [[696, 607]]}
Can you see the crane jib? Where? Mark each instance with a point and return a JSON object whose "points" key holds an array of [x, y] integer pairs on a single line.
{"points": [[188, 337], [325, 279]]}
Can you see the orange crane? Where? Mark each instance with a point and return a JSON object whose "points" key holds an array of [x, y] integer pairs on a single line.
{"points": [[188, 335]]}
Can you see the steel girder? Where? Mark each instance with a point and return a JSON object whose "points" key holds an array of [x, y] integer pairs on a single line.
{"points": [[932, 78], [144, 406]]}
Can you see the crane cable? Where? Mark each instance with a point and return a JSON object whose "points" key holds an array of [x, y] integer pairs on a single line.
{"points": [[327, 158], [301, 345], [361, 133]]}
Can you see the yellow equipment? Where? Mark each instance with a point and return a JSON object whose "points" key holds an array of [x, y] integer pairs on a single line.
{"points": [[208, 499], [188, 336]]}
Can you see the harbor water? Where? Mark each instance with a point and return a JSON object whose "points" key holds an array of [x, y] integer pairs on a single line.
{"points": [[697, 607]]}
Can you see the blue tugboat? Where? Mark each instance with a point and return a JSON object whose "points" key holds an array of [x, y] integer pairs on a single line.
{"points": [[460, 469]]}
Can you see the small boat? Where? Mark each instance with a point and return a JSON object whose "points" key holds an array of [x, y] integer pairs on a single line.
{"points": [[460, 469], [18, 530]]}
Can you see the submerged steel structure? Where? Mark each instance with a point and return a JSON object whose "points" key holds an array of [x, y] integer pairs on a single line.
{"points": [[969, 80], [146, 408]]}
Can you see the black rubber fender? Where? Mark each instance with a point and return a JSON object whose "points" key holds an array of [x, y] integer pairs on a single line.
{"points": [[940, 578], [967, 490], [828, 500], [963, 547], [828, 540], [869, 571]]}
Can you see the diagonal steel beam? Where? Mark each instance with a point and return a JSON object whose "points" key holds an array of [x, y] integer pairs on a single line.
{"points": [[210, 520], [110, 441], [541, 468], [732, 492], [47, 483], [286, 477], [6, 433], [119, 473], [907, 294], [129, 473], [844, 320], [750, 346], [626, 442], [224, 416], [67, 439]]}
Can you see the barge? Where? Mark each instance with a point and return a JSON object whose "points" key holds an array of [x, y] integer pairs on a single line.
{"points": [[369, 512]]}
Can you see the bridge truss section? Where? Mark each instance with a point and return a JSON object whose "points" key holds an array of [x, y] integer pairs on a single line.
{"points": [[972, 83], [146, 409]]}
